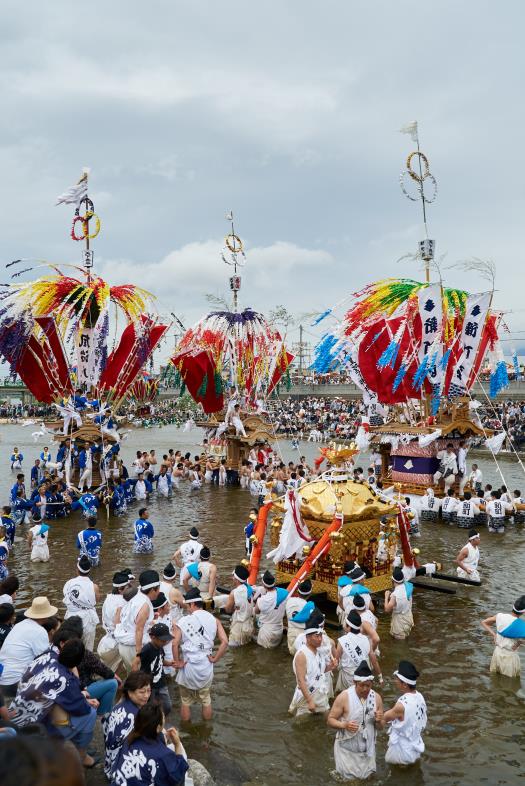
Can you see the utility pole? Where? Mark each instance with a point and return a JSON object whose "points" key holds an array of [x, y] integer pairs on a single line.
{"points": [[301, 349]]}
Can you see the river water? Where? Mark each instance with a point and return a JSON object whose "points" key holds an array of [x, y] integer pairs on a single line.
{"points": [[476, 729]]}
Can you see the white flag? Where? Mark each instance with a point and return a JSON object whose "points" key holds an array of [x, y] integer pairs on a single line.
{"points": [[410, 128], [74, 194], [495, 443], [294, 532]]}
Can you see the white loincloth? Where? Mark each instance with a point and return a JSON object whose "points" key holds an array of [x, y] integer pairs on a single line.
{"points": [[241, 633], [474, 576], [298, 705], [270, 635], [350, 764], [506, 662], [401, 625]]}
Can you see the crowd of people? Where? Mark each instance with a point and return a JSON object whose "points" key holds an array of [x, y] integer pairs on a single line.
{"points": [[61, 674], [321, 419]]}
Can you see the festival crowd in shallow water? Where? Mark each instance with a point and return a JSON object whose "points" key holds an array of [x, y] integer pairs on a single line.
{"points": [[157, 632]]}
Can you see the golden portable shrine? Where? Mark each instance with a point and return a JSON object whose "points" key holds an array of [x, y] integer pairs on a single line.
{"points": [[345, 520]]}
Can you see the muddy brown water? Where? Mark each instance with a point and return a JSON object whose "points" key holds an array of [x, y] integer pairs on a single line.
{"points": [[476, 729]]}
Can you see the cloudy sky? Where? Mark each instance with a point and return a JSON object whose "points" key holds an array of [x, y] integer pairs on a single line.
{"points": [[285, 111]]}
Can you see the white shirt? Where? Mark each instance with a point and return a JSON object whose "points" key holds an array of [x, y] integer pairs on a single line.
{"points": [[23, 644], [496, 508]]}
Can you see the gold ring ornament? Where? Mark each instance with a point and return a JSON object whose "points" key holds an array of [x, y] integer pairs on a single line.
{"points": [[87, 218], [233, 243], [425, 169]]}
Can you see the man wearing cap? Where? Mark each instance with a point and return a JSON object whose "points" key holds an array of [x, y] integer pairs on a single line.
{"points": [[131, 633], [174, 595], [107, 649], [399, 604], [508, 635], [240, 606], [351, 588], [81, 596], [468, 557], [356, 713], [407, 718], [270, 608], [24, 643], [352, 648], [189, 551], [310, 666], [201, 574], [151, 660], [193, 644], [368, 622], [296, 604]]}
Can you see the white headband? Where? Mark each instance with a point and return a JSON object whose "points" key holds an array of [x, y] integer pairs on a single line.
{"points": [[243, 581], [472, 537], [518, 611], [150, 586], [404, 679], [122, 584], [313, 630], [363, 679], [83, 570]]}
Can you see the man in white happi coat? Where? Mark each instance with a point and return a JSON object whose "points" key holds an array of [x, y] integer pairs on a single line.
{"points": [[107, 649], [356, 713], [295, 604], [347, 591], [353, 648], [310, 666], [81, 596], [193, 642], [399, 604], [201, 574], [448, 467], [508, 632], [407, 718], [468, 557], [132, 631], [270, 608], [173, 594], [240, 605], [189, 551]]}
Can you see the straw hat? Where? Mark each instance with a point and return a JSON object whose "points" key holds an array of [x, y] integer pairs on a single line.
{"points": [[41, 609]]}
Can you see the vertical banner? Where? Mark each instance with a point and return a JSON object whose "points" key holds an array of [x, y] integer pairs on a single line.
{"points": [[92, 351], [430, 306], [476, 311]]}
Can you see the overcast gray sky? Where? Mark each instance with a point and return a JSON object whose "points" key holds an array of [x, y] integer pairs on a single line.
{"points": [[285, 111]]}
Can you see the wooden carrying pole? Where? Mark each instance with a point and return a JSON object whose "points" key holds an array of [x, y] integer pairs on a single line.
{"points": [[258, 543]]}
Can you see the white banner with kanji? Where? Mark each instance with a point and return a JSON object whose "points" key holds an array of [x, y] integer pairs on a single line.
{"points": [[476, 311]]}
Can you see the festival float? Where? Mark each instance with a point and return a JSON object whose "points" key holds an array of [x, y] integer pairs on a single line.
{"points": [[415, 350], [230, 362], [76, 342]]}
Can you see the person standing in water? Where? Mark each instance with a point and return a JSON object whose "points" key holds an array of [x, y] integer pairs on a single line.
{"points": [[407, 718], [508, 632], [356, 713], [468, 557]]}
